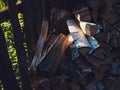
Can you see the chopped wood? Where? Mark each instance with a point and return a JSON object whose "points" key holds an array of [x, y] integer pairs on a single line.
{"points": [[89, 29], [103, 37], [45, 84], [106, 47], [80, 64], [118, 71], [78, 36], [84, 51], [74, 52], [49, 63], [91, 50], [83, 14], [116, 42], [108, 83], [99, 75], [87, 70], [94, 45], [96, 62], [98, 53], [40, 43], [91, 86], [100, 85], [105, 67]]}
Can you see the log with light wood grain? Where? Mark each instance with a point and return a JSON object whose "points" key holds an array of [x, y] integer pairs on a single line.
{"points": [[40, 43], [78, 37], [49, 63], [89, 29], [83, 14]]}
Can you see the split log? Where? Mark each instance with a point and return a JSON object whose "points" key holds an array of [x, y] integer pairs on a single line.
{"points": [[103, 37], [79, 39], [100, 85], [96, 62], [91, 86], [94, 45], [116, 29], [108, 83], [99, 75], [40, 43], [49, 63], [83, 14], [89, 29], [74, 52], [116, 42], [106, 47], [98, 53], [116, 7], [80, 64], [44, 84]]}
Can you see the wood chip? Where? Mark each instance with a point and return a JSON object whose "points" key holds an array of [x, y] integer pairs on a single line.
{"points": [[90, 86]]}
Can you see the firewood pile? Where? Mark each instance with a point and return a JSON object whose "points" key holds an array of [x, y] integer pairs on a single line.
{"points": [[79, 54]]}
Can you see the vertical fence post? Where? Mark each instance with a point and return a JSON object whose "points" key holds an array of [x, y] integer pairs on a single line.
{"points": [[37, 17], [28, 28], [7, 75], [22, 59]]}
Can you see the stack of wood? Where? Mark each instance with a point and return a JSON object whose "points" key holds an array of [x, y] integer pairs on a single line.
{"points": [[85, 59]]}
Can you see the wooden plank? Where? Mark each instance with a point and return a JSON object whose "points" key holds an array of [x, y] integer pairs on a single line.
{"points": [[7, 75], [116, 43], [84, 51], [79, 39], [106, 47], [105, 37], [91, 86], [4, 14], [94, 50], [83, 14], [105, 67], [49, 63], [96, 62], [99, 75], [78, 36], [39, 47], [89, 29], [74, 52], [37, 15], [28, 28], [98, 53], [108, 83], [22, 58]]}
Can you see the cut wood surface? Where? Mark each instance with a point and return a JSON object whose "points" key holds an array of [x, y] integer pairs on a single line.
{"points": [[98, 53], [107, 47], [103, 37], [94, 44], [89, 29], [83, 14], [40, 43], [77, 34], [51, 61]]}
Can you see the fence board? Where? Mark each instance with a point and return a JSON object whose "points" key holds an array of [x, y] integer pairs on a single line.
{"points": [[28, 28], [37, 17], [4, 14], [7, 75], [18, 44]]}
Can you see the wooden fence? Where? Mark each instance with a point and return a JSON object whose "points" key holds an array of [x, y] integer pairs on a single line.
{"points": [[32, 15]]}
